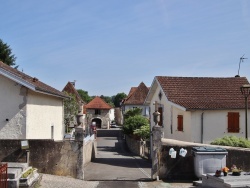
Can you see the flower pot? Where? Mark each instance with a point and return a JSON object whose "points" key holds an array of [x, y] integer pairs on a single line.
{"points": [[225, 173], [236, 173]]}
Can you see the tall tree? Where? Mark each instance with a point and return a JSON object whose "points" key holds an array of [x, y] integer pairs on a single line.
{"points": [[6, 55], [107, 99], [84, 95], [118, 98]]}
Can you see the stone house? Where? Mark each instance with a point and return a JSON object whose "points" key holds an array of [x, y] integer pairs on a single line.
{"points": [[80, 118], [198, 109], [29, 109], [136, 98], [98, 111]]}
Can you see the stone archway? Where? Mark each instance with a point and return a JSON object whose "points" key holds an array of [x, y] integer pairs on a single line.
{"points": [[98, 122]]}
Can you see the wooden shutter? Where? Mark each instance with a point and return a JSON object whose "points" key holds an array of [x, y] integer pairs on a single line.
{"points": [[233, 122], [180, 122], [160, 111]]}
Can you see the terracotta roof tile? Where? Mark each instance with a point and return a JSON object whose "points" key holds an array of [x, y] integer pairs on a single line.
{"points": [[70, 88], [39, 86], [137, 95], [204, 92], [97, 103]]}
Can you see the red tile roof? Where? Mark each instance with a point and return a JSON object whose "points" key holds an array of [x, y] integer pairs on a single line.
{"points": [[97, 103], [32, 81], [70, 88], [137, 95], [204, 92]]}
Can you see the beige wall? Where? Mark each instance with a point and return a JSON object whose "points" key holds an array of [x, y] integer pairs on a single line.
{"points": [[214, 121], [12, 109], [43, 113], [215, 125]]}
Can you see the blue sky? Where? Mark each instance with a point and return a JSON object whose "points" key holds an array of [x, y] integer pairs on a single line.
{"points": [[109, 46]]}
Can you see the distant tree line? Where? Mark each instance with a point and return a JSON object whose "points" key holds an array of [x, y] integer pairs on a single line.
{"points": [[114, 101]]}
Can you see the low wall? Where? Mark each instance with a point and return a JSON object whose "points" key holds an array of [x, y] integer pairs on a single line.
{"points": [[182, 168], [138, 147], [65, 158]]}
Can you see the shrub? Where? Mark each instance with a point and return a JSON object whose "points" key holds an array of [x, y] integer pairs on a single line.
{"points": [[132, 112], [134, 122], [143, 132], [232, 141]]}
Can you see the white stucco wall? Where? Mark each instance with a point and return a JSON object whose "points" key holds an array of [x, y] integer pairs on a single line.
{"points": [[43, 112], [12, 109], [112, 114], [145, 108], [170, 113], [215, 122]]}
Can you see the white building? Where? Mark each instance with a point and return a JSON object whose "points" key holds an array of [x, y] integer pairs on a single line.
{"points": [[136, 98], [29, 109], [198, 109]]}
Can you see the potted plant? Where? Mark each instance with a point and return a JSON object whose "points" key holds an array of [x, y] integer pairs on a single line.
{"points": [[225, 170], [236, 171]]}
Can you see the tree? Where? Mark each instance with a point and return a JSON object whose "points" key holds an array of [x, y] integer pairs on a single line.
{"points": [[118, 98], [84, 95], [6, 55], [107, 99], [132, 112], [134, 122], [70, 111]]}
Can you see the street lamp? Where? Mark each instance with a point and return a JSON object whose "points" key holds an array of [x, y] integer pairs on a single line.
{"points": [[245, 90]]}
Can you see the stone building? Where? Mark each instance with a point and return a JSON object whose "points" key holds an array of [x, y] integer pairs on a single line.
{"points": [[98, 111]]}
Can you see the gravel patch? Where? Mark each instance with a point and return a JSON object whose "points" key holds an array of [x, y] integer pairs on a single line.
{"points": [[52, 181]]}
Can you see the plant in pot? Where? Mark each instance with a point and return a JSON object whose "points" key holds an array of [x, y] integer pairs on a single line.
{"points": [[236, 171], [225, 170]]}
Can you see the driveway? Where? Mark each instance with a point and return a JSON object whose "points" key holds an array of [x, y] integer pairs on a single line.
{"points": [[115, 162]]}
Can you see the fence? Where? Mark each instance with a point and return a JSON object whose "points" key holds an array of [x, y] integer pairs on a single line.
{"points": [[3, 175]]}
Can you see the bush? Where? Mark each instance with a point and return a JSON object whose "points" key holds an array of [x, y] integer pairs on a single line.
{"points": [[134, 122], [143, 132], [232, 141], [132, 112]]}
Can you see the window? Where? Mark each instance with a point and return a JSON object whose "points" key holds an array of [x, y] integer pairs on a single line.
{"points": [[160, 111], [233, 122], [180, 122], [97, 112]]}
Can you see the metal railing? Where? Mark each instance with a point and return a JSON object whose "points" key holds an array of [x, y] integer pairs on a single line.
{"points": [[3, 175]]}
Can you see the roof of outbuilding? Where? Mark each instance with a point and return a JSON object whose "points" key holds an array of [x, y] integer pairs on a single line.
{"points": [[97, 103], [137, 95], [70, 88], [28, 81], [204, 92]]}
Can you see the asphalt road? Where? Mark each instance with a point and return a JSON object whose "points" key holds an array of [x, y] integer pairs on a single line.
{"points": [[114, 163]]}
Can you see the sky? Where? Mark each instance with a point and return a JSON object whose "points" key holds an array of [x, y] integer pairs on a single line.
{"points": [[109, 46]]}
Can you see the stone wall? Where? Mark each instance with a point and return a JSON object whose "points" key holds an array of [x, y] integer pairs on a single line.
{"points": [[64, 158], [183, 167], [138, 147]]}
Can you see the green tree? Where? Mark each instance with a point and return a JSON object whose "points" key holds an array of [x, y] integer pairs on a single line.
{"points": [[84, 95], [107, 99], [70, 111], [6, 55], [118, 98], [132, 112]]}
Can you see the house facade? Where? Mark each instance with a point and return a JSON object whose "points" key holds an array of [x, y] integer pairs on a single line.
{"points": [[136, 98], [198, 109], [98, 111], [29, 109]]}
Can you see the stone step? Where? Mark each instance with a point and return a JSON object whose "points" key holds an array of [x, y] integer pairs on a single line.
{"points": [[237, 184], [14, 173]]}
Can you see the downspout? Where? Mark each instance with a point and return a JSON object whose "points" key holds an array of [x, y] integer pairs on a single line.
{"points": [[202, 117]]}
